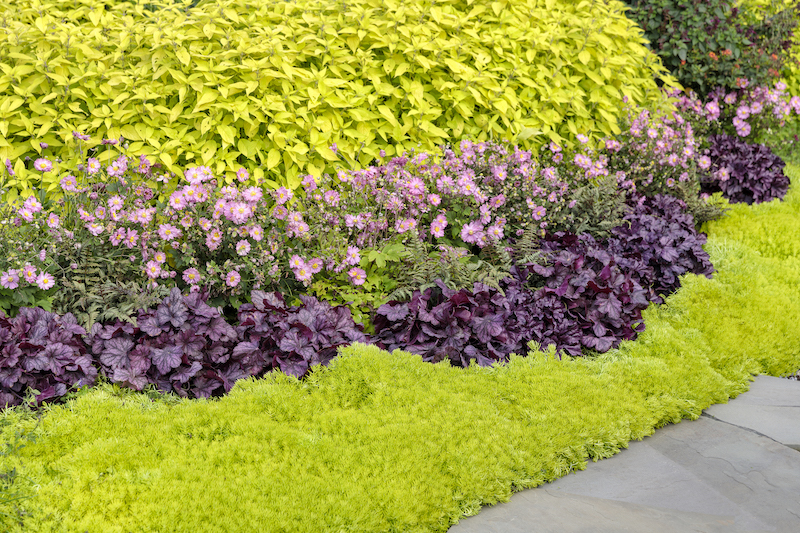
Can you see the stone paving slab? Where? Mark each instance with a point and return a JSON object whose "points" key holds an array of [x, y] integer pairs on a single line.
{"points": [[701, 475], [550, 511], [771, 407]]}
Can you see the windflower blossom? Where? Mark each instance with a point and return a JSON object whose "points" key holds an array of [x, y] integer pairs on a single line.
{"points": [[45, 281], [191, 276], [243, 247], [357, 276], [93, 166], [9, 279], [232, 278], [43, 165]]}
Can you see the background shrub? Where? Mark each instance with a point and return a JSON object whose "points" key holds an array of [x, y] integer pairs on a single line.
{"points": [[710, 43], [273, 86]]}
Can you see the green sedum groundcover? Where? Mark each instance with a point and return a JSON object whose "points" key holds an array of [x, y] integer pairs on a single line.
{"points": [[385, 442]]}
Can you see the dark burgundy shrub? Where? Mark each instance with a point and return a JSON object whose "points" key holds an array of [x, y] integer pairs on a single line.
{"points": [[183, 346], [273, 335], [42, 351], [439, 324], [658, 243], [744, 172], [587, 299]]}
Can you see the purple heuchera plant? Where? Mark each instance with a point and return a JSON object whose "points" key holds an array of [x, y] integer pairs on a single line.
{"points": [[183, 346], [744, 172], [588, 300], [659, 243], [481, 325], [273, 335], [42, 351]]}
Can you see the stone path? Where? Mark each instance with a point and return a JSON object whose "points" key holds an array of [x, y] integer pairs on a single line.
{"points": [[735, 469]]}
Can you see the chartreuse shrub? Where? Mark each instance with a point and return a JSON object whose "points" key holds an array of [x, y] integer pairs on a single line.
{"points": [[385, 442], [287, 88]]}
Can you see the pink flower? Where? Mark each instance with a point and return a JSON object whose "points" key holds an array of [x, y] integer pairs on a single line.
{"points": [[69, 183], [296, 262], [243, 247], [282, 195], [177, 201], [331, 198], [95, 228], [434, 199], [131, 238], [253, 194], [257, 233], [583, 139], [353, 257], [357, 276], [53, 221], [43, 165], [153, 269], [415, 186], [191, 276], [315, 265], [309, 183], [239, 212], [33, 204], [473, 232], [704, 162], [160, 257], [404, 225], [25, 214], [494, 232], [10, 279], [29, 273], [242, 175], [280, 212], [232, 278], [538, 212], [45, 281], [115, 202], [205, 224], [93, 166], [168, 232], [303, 273], [191, 193]]}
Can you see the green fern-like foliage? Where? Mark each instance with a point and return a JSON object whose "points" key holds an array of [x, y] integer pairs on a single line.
{"points": [[95, 288], [599, 207], [424, 266]]}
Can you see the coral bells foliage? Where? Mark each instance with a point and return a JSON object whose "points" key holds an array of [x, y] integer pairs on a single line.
{"points": [[183, 346], [44, 352], [441, 324], [588, 300], [658, 243], [274, 335], [744, 172]]}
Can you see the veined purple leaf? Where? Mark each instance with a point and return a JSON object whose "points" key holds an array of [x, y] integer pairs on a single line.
{"points": [[166, 358]]}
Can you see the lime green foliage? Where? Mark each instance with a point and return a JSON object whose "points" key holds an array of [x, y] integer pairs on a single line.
{"points": [[272, 84], [385, 442]]}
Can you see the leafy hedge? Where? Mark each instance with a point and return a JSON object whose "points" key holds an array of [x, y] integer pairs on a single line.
{"points": [[273, 85]]}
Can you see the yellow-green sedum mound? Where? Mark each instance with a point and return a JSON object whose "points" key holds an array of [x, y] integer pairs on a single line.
{"points": [[380, 442], [271, 85]]}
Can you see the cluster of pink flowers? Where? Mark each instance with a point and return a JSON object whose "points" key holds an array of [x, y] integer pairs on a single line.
{"points": [[653, 154], [739, 111]]}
